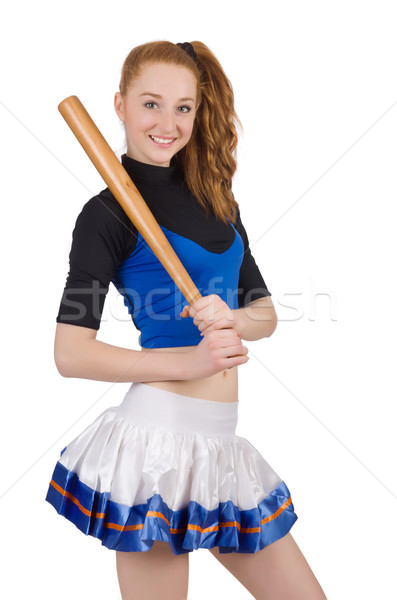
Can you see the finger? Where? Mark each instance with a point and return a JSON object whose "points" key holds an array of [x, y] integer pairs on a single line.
{"points": [[207, 305], [222, 324], [230, 351], [203, 319], [197, 305], [234, 361], [229, 343], [204, 314], [222, 334], [204, 301]]}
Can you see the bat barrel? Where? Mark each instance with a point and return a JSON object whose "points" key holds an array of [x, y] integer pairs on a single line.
{"points": [[125, 192]]}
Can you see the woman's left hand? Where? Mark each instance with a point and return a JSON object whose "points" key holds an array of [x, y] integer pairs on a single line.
{"points": [[210, 312]]}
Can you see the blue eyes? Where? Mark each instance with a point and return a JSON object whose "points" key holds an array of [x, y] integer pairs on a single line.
{"points": [[183, 109]]}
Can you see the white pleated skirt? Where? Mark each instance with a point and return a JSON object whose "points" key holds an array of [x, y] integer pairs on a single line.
{"points": [[169, 467]]}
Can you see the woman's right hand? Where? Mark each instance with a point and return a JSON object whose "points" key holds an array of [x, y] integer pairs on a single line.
{"points": [[218, 350]]}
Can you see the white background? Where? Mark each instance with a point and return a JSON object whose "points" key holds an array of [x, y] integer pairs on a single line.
{"points": [[316, 91]]}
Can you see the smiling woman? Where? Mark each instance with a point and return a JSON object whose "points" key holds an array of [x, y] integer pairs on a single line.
{"points": [[164, 473]]}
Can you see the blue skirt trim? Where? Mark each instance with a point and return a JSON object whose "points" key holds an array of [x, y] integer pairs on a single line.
{"points": [[134, 528]]}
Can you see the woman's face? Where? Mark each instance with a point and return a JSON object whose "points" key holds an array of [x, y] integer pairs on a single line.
{"points": [[158, 111]]}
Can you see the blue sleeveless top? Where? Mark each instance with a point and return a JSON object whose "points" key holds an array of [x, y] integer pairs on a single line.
{"points": [[155, 302]]}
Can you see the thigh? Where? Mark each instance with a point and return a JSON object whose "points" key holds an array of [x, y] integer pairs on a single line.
{"points": [[157, 573], [277, 572]]}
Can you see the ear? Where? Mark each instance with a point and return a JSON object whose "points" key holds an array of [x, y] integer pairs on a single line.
{"points": [[119, 106]]}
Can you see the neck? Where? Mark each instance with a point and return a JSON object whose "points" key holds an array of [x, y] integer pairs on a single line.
{"points": [[139, 171]]}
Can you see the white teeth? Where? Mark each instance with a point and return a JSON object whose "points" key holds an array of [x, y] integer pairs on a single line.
{"points": [[161, 141]]}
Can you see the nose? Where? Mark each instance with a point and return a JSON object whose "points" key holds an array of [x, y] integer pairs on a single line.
{"points": [[167, 121]]}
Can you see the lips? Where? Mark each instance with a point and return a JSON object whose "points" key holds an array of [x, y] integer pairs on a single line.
{"points": [[162, 140]]}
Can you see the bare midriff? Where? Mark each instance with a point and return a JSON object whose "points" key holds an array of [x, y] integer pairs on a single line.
{"points": [[220, 387]]}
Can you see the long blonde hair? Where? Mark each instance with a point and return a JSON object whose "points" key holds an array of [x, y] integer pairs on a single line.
{"points": [[208, 161]]}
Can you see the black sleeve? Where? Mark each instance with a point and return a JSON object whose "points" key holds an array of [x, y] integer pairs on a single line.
{"points": [[251, 285], [102, 238]]}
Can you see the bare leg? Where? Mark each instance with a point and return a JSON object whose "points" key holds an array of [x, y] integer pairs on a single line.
{"points": [[158, 573], [277, 572]]}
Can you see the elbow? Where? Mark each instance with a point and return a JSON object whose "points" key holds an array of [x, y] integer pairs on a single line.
{"points": [[64, 364], [273, 324], [70, 349], [269, 324]]}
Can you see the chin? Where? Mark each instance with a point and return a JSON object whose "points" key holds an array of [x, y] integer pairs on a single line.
{"points": [[163, 160]]}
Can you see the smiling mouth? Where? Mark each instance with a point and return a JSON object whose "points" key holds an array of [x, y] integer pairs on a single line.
{"points": [[164, 141]]}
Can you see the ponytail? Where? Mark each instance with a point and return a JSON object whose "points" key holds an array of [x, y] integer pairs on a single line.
{"points": [[209, 159]]}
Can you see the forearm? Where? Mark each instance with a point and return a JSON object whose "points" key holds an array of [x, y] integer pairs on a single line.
{"points": [[103, 362], [256, 320]]}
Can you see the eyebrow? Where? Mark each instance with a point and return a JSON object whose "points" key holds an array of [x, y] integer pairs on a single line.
{"points": [[159, 96]]}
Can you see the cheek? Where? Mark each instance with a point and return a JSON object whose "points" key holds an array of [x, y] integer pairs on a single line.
{"points": [[188, 127], [139, 123]]}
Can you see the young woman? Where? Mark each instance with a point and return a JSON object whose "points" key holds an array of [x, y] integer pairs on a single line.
{"points": [[164, 474]]}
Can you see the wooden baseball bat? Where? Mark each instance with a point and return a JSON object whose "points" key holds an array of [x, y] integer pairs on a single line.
{"points": [[125, 192]]}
